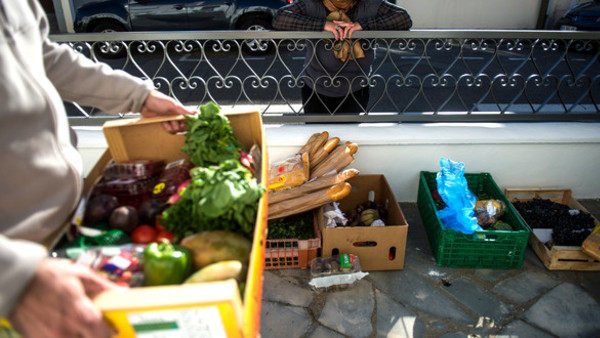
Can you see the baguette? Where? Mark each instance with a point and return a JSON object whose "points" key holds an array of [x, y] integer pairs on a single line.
{"points": [[315, 141], [337, 160], [322, 152], [309, 201], [308, 187]]}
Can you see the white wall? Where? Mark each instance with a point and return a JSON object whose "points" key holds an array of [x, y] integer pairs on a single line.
{"points": [[518, 155], [472, 14]]}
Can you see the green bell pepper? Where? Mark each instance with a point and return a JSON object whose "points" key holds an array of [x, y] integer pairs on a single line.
{"points": [[166, 263]]}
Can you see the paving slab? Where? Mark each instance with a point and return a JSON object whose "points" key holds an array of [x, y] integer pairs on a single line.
{"points": [[525, 286], [566, 311], [279, 320], [415, 291], [519, 328], [282, 290], [395, 320], [478, 300], [349, 311]]}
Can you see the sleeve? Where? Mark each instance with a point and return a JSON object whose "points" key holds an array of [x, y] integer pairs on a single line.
{"points": [[79, 79], [389, 17], [293, 17], [18, 263]]}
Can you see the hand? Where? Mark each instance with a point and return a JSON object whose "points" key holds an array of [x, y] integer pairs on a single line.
{"points": [[159, 104], [347, 28], [331, 26], [57, 302]]}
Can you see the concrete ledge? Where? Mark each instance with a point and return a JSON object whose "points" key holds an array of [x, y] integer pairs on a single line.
{"points": [[518, 155]]}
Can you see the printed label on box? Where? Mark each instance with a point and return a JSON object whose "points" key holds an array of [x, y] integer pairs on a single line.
{"points": [[195, 322]]}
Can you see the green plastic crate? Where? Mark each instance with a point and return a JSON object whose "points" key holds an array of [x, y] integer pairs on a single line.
{"points": [[482, 249]]}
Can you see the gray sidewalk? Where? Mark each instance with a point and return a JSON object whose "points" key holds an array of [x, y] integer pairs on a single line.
{"points": [[425, 300]]}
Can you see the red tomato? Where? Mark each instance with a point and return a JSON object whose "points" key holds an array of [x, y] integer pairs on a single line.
{"points": [[143, 234], [159, 227], [168, 235]]}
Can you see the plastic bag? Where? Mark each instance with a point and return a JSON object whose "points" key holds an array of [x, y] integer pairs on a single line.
{"points": [[454, 191]]}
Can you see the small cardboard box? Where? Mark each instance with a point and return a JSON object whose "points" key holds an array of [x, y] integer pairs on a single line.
{"points": [[135, 139], [559, 257], [378, 248]]}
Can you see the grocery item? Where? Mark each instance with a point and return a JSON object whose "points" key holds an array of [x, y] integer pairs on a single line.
{"points": [[318, 183], [338, 159], [309, 201], [217, 271], [337, 271], [209, 247], [289, 173], [166, 263]]}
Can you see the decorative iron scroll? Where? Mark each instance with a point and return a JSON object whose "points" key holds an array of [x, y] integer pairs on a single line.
{"points": [[416, 76]]}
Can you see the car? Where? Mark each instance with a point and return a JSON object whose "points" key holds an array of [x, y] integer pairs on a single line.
{"points": [[585, 17], [176, 15]]}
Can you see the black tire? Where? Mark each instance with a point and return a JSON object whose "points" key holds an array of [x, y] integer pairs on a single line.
{"points": [[109, 50], [256, 47]]}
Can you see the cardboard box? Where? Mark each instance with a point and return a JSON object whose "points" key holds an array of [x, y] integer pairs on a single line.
{"points": [[212, 309], [378, 248], [133, 139], [559, 257]]}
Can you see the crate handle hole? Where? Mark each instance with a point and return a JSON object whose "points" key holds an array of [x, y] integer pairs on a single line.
{"points": [[392, 253], [335, 251], [362, 244]]}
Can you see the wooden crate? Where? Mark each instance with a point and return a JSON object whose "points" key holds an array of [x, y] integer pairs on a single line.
{"points": [[558, 257]]}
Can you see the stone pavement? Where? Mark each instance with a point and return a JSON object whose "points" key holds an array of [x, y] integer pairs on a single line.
{"points": [[425, 300]]}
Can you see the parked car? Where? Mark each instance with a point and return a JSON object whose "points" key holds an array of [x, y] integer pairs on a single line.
{"points": [[176, 15], [585, 16]]}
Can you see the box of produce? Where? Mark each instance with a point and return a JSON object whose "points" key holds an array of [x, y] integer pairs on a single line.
{"points": [[215, 164], [378, 247], [292, 241], [497, 248], [559, 225]]}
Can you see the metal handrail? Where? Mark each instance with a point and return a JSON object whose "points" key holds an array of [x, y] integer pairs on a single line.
{"points": [[417, 76]]}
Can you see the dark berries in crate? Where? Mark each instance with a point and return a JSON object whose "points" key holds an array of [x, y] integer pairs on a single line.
{"points": [[569, 226]]}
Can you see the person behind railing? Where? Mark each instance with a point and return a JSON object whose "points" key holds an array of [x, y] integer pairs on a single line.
{"points": [[336, 76], [41, 171]]}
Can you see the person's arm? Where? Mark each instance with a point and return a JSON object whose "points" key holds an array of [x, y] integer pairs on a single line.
{"points": [[293, 17], [57, 302], [18, 262], [388, 17]]}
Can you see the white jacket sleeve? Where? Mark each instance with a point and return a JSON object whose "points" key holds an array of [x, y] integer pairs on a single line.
{"points": [[79, 79], [18, 263]]}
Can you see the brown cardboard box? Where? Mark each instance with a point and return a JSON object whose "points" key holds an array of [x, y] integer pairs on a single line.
{"points": [[132, 139], [378, 248]]}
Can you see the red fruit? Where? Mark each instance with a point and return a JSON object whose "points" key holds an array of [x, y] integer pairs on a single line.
{"points": [[157, 225], [144, 234]]}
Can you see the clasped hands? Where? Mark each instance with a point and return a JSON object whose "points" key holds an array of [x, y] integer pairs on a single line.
{"points": [[341, 29]]}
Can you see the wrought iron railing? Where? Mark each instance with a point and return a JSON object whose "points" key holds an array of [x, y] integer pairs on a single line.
{"points": [[417, 76]]}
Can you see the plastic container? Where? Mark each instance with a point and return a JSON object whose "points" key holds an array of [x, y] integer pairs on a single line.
{"points": [[335, 272], [132, 192], [171, 178], [139, 169], [487, 249], [293, 252]]}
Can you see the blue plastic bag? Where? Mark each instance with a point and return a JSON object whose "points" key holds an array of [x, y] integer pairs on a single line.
{"points": [[454, 191]]}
